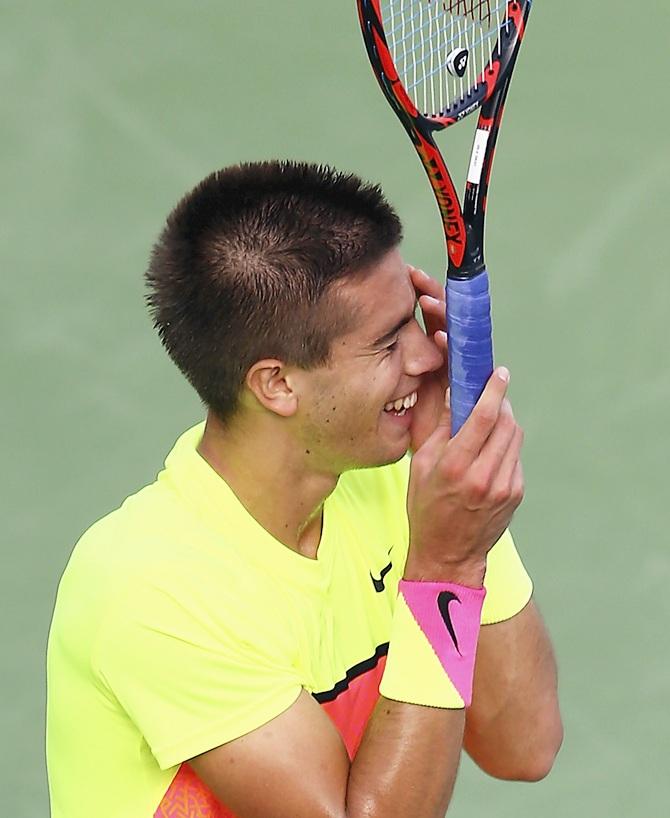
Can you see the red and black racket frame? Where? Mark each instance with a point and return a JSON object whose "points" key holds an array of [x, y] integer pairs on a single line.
{"points": [[468, 302]]}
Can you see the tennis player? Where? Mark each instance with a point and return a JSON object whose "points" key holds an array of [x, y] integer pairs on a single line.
{"points": [[285, 623]]}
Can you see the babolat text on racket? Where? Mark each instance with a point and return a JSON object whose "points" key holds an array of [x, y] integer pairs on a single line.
{"points": [[437, 62]]}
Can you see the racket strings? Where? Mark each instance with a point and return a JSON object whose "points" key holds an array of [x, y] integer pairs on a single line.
{"points": [[424, 34], [480, 9]]}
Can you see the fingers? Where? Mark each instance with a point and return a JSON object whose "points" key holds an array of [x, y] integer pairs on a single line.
{"points": [[466, 447], [445, 418], [431, 299], [442, 433], [434, 314], [434, 310], [441, 342], [425, 284], [499, 441], [508, 489], [477, 428], [464, 490], [429, 449], [497, 471]]}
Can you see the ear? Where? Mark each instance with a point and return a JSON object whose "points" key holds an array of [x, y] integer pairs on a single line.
{"points": [[271, 383]]}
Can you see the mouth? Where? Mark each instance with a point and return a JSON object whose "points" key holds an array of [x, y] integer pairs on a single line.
{"points": [[400, 406]]}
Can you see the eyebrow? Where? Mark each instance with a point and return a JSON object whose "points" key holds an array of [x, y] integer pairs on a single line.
{"points": [[388, 336]]}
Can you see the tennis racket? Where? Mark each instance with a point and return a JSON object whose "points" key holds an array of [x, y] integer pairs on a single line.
{"points": [[437, 62]]}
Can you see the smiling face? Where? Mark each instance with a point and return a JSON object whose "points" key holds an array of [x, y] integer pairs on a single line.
{"points": [[356, 411]]}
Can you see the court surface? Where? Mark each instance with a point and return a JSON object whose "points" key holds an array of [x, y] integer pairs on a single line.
{"points": [[111, 112]]}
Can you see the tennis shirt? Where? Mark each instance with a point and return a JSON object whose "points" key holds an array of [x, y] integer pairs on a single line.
{"points": [[181, 624]]}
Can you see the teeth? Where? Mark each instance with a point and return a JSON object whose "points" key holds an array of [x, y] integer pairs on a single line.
{"points": [[401, 404]]}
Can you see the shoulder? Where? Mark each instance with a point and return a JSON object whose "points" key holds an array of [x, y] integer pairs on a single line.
{"points": [[154, 562], [132, 539]]}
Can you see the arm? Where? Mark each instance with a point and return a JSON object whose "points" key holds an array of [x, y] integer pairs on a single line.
{"points": [[297, 767], [513, 729], [462, 494]]}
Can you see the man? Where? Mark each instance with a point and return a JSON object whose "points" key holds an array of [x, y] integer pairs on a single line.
{"points": [[219, 641]]}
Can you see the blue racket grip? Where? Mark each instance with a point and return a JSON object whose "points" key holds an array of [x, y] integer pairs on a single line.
{"points": [[470, 344]]}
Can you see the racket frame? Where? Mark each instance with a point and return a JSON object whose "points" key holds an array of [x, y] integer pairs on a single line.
{"points": [[463, 226]]}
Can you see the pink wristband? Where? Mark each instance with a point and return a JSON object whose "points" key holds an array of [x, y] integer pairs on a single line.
{"points": [[449, 615]]}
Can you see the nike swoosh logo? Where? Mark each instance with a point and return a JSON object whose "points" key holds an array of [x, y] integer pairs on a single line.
{"points": [[443, 600], [379, 583]]}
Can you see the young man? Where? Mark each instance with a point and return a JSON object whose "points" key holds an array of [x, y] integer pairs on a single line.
{"points": [[220, 641]]}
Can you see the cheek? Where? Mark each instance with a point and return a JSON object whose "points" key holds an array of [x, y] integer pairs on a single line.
{"points": [[387, 375], [358, 397]]}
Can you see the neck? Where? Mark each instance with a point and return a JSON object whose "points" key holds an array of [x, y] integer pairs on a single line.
{"points": [[267, 470]]}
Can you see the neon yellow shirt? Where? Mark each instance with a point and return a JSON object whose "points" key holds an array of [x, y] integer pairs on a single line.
{"points": [[181, 624]]}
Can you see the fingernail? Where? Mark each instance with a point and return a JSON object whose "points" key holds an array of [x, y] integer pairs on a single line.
{"points": [[447, 397], [503, 373]]}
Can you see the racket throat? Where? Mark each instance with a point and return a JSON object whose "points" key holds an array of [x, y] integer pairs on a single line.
{"points": [[472, 262]]}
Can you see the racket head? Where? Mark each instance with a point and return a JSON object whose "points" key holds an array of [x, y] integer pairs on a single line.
{"points": [[439, 60], [413, 47]]}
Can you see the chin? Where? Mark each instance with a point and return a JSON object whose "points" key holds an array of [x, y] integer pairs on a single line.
{"points": [[380, 459]]}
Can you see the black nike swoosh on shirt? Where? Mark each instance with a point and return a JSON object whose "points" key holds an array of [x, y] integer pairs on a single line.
{"points": [[443, 600], [379, 583]]}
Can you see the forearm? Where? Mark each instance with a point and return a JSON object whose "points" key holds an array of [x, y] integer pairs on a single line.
{"points": [[409, 758], [513, 729], [407, 762]]}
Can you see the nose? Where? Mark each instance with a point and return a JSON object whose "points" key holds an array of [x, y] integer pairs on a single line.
{"points": [[422, 355]]}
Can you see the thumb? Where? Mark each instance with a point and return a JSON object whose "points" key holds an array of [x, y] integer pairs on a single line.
{"points": [[444, 422], [442, 432]]}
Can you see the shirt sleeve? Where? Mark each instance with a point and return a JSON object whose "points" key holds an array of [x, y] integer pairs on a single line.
{"points": [[508, 586], [190, 682]]}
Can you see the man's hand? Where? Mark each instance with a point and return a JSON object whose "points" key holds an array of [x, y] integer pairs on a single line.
{"points": [[429, 407], [464, 490]]}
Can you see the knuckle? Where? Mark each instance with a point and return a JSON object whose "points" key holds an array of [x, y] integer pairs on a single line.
{"points": [[506, 408], [484, 417], [418, 459], [452, 470], [479, 488], [455, 462], [501, 496], [420, 462], [507, 424], [518, 490]]}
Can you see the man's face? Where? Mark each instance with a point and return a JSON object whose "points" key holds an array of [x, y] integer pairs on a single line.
{"points": [[348, 416]]}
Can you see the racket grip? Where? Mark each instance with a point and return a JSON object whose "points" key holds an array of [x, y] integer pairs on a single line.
{"points": [[470, 343]]}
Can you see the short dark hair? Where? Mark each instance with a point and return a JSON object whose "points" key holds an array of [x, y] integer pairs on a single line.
{"points": [[244, 269]]}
